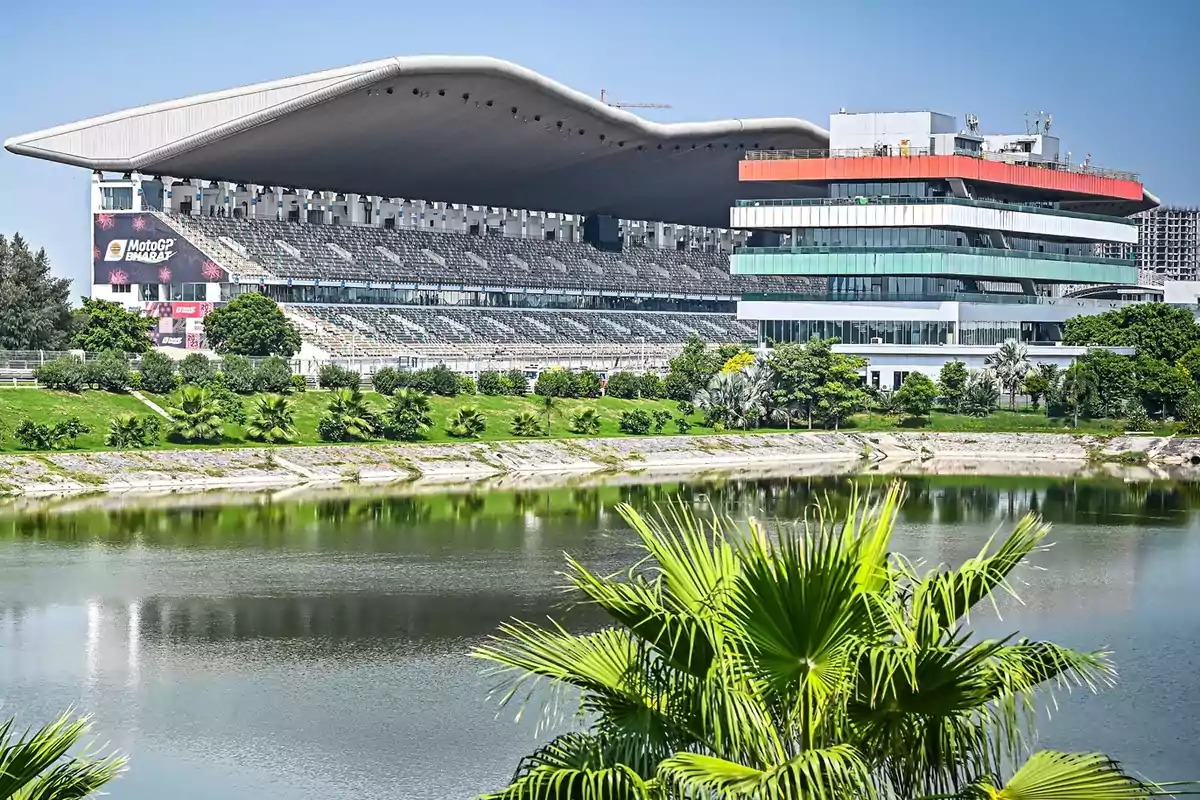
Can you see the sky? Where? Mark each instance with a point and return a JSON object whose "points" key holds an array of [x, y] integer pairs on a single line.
{"points": [[1122, 78]]}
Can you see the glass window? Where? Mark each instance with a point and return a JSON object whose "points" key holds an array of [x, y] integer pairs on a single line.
{"points": [[121, 288]]}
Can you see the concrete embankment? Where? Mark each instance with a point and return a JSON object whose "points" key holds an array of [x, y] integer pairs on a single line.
{"points": [[563, 460]]}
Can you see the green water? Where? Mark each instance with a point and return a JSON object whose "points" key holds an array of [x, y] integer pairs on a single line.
{"points": [[317, 648]]}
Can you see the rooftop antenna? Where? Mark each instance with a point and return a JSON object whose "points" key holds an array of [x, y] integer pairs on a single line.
{"points": [[973, 123], [1049, 119], [604, 94]]}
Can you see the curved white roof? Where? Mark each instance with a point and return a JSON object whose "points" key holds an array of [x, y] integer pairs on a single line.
{"points": [[455, 128]]}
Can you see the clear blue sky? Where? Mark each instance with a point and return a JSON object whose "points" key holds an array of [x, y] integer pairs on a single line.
{"points": [[1122, 78]]}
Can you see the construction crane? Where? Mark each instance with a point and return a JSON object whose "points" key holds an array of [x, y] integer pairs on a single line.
{"points": [[603, 93]]}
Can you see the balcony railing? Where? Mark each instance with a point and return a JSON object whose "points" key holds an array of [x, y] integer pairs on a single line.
{"points": [[974, 251], [939, 297], [889, 151], [897, 200]]}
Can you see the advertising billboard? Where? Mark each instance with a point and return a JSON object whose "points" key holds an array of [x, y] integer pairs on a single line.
{"points": [[141, 248]]}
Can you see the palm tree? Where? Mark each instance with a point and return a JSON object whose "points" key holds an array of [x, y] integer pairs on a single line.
{"points": [[525, 423], [467, 422], [795, 663], [981, 394], [585, 420], [197, 417], [36, 764], [549, 407], [273, 422], [1011, 365], [408, 414], [352, 410], [124, 431]]}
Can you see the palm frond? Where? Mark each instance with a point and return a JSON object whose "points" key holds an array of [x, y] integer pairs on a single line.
{"points": [[1050, 775], [35, 765], [834, 773]]}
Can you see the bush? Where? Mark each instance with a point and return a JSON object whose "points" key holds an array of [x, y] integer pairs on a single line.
{"points": [[135, 380], [406, 416], [197, 370], [682, 425], [585, 420], [110, 372], [677, 387], [1136, 418], [66, 373], [466, 384], [555, 382], [1191, 416], [129, 431], [299, 383], [587, 384], [238, 374], [158, 373], [686, 408], [516, 383], [331, 429], [525, 423], [624, 385], [491, 383], [467, 422], [273, 375], [661, 418], [635, 421], [331, 376], [440, 380], [651, 386], [229, 405], [388, 380], [34, 436]]}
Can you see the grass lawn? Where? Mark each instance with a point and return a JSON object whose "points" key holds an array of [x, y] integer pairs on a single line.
{"points": [[48, 408], [1003, 421]]}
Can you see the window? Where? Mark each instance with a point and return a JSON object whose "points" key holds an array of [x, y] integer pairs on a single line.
{"points": [[189, 292], [121, 288], [116, 198], [150, 292]]}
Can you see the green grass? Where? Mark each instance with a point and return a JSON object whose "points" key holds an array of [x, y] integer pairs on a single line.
{"points": [[43, 406], [1023, 421]]}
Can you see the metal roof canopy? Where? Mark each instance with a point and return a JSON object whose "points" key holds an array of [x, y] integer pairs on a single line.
{"points": [[459, 129]]}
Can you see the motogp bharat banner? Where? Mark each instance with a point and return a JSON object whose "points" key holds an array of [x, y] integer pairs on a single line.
{"points": [[141, 248]]}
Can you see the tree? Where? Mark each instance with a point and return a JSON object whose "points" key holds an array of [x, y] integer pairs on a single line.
{"points": [[1136, 418], [917, 395], [251, 324], [651, 386], [802, 661], [1103, 382], [273, 420], [634, 421], [624, 385], [1036, 385], [525, 423], [691, 370], [841, 393], [982, 393], [467, 422], [350, 414], [108, 326], [516, 383], [238, 373], [273, 375], [1190, 361], [197, 370], [438, 379], [35, 310], [158, 372], [53, 762], [1011, 364], [1157, 330], [196, 418], [491, 383], [407, 415], [814, 382], [1191, 416], [549, 408], [555, 382], [738, 362], [128, 431], [952, 384], [1162, 387], [588, 384], [389, 379], [585, 421]]}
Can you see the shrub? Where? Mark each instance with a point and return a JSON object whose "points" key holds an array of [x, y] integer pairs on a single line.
{"points": [[238, 374], [585, 420], [467, 422], [353, 416], [686, 408], [331, 376], [299, 383], [388, 380], [682, 425], [331, 429], [587, 384], [1191, 416], [273, 375], [149, 430], [525, 423], [651, 386], [229, 405], [439, 380], [1136, 418], [624, 385], [635, 421], [110, 372], [677, 387], [491, 383], [66, 373], [135, 380], [274, 421], [555, 382], [197, 418], [407, 415], [158, 372], [197, 370], [466, 384], [917, 395], [34, 436], [661, 418], [516, 383], [128, 431]]}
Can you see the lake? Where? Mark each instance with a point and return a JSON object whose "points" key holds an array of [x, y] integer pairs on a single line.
{"points": [[317, 647]]}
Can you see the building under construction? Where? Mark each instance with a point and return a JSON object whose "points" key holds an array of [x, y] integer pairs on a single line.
{"points": [[1169, 242]]}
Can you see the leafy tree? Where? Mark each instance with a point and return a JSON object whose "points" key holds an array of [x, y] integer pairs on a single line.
{"points": [[621, 384], [1162, 387], [1136, 418], [65, 373], [129, 431], [806, 661], [738, 361], [251, 324], [651, 386], [917, 395], [634, 421], [438, 379], [388, 380], [197, 417], [1157, 330], [466, 384], [350, 414], [525, 423], [1011, 364], [555, 382], [1103, 382], [35, 310], [34, 435], [585, 421], [407, 415], [549, 409], [1036, 386], [273, 420], [53, 762], [1190, 361], [238, 374], [273, 375], [1191, 416], [110, 372], [467, 422], [812, 381], [106, 325], [691, 370], [588, 384], [841, 393], [492, 383], [661, 417], [982, 394], [952, 384], [516, 383], [333, 376], [197, 370], [158, 372], [682, 425]]}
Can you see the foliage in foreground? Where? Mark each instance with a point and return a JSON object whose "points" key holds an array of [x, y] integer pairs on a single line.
{"points": [[46, 764], [807, 662], [273, 421]]}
